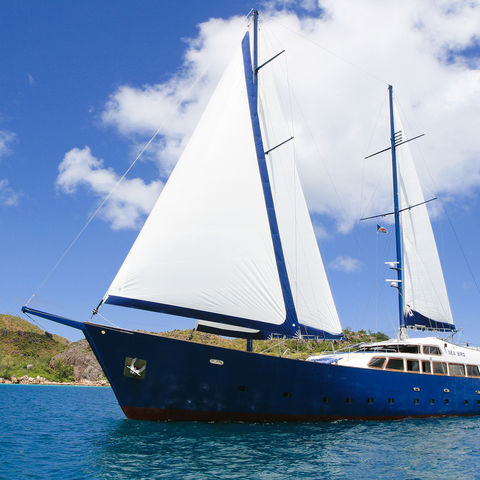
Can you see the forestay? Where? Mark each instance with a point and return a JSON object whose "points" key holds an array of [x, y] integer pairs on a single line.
{"points": [[425, 294]]}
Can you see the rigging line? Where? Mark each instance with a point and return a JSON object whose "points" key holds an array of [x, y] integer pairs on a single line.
{"points": [[379, 280], [376, 282], [34, 321], [293, 98], [342, 207], [374, 130], [401, 210], [294, 173], [109, 321], [93, 215], [444, 209], [297, 175], [461, 248], [282, 64], [108, 196], [330, 52]]}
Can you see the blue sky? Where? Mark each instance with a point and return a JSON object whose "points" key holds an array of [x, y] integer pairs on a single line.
{"points": [[84, 85]]}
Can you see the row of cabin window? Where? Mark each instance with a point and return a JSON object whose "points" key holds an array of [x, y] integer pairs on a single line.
{"points": [[426, 349], [425, 366]]}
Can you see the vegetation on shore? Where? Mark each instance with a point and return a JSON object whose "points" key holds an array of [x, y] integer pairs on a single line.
{"points": [[27, 350], [294, 348]]}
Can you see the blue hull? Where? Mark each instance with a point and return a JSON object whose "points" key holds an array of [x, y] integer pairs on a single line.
{"points": [[188, 381]]}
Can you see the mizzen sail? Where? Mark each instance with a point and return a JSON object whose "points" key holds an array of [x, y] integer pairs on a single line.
{"points": [[426, 303]]}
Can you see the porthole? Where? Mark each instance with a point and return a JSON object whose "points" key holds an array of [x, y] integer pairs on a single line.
{"points": [[446, 390], [416, 389], [391, 400], [215, 361]]}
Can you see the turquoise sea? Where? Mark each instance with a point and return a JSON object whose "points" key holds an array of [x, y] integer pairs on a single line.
{"points": [[63, 432]]}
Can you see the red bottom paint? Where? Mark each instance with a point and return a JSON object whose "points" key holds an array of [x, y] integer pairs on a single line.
{"points": [[165, 415]]}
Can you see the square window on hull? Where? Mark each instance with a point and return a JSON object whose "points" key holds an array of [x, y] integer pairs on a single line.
{"points": [[473, 371], [431, 350], [377, 362], [426, 367], [456, 369], [440, 368], [413, 366], [395, 364], [409, 348]]}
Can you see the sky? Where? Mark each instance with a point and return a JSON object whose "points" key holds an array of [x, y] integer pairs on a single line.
{"points": [[85, 85]]}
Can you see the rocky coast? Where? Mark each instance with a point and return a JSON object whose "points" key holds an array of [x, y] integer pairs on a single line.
{"points": [[38, 380]]}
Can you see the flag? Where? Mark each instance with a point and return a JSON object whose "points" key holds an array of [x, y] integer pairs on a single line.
{"points": [[381, 229]]}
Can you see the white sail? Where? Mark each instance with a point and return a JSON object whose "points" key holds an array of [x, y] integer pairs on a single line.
{"points": [[310, 288], [206, 245], [425, 294], [230, 241]]}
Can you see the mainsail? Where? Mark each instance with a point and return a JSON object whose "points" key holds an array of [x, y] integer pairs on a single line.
{"points": [[230, 241], [425, 296]]}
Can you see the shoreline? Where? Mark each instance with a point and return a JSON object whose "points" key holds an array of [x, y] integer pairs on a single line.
{"points": [[25, 380], [57, 384]]}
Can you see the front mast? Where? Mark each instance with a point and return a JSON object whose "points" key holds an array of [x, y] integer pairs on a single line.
{"points": [[255, 86], [402, 332]]}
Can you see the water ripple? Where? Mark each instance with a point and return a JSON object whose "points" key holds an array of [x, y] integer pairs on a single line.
{"points": [[78, 432]]}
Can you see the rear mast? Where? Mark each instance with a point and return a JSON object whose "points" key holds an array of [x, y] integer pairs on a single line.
{"points": [[396, 213]]}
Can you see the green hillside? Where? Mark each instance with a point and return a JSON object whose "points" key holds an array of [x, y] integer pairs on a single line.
{"points": [[299, 349], [26, 349]]}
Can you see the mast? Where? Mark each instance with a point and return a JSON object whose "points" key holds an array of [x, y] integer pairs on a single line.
{"points": [[255, 86], [399, 265], [255, 51]]}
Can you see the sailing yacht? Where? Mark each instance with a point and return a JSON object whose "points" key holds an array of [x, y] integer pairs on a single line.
{"points": [[230, 243]]}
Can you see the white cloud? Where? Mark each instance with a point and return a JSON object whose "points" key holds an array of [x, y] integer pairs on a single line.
{"points": [[6, 139], [174, 106], [344, 263], [130, 200], [339, 65], [8, 197], [31, 80], [321, 232]]}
